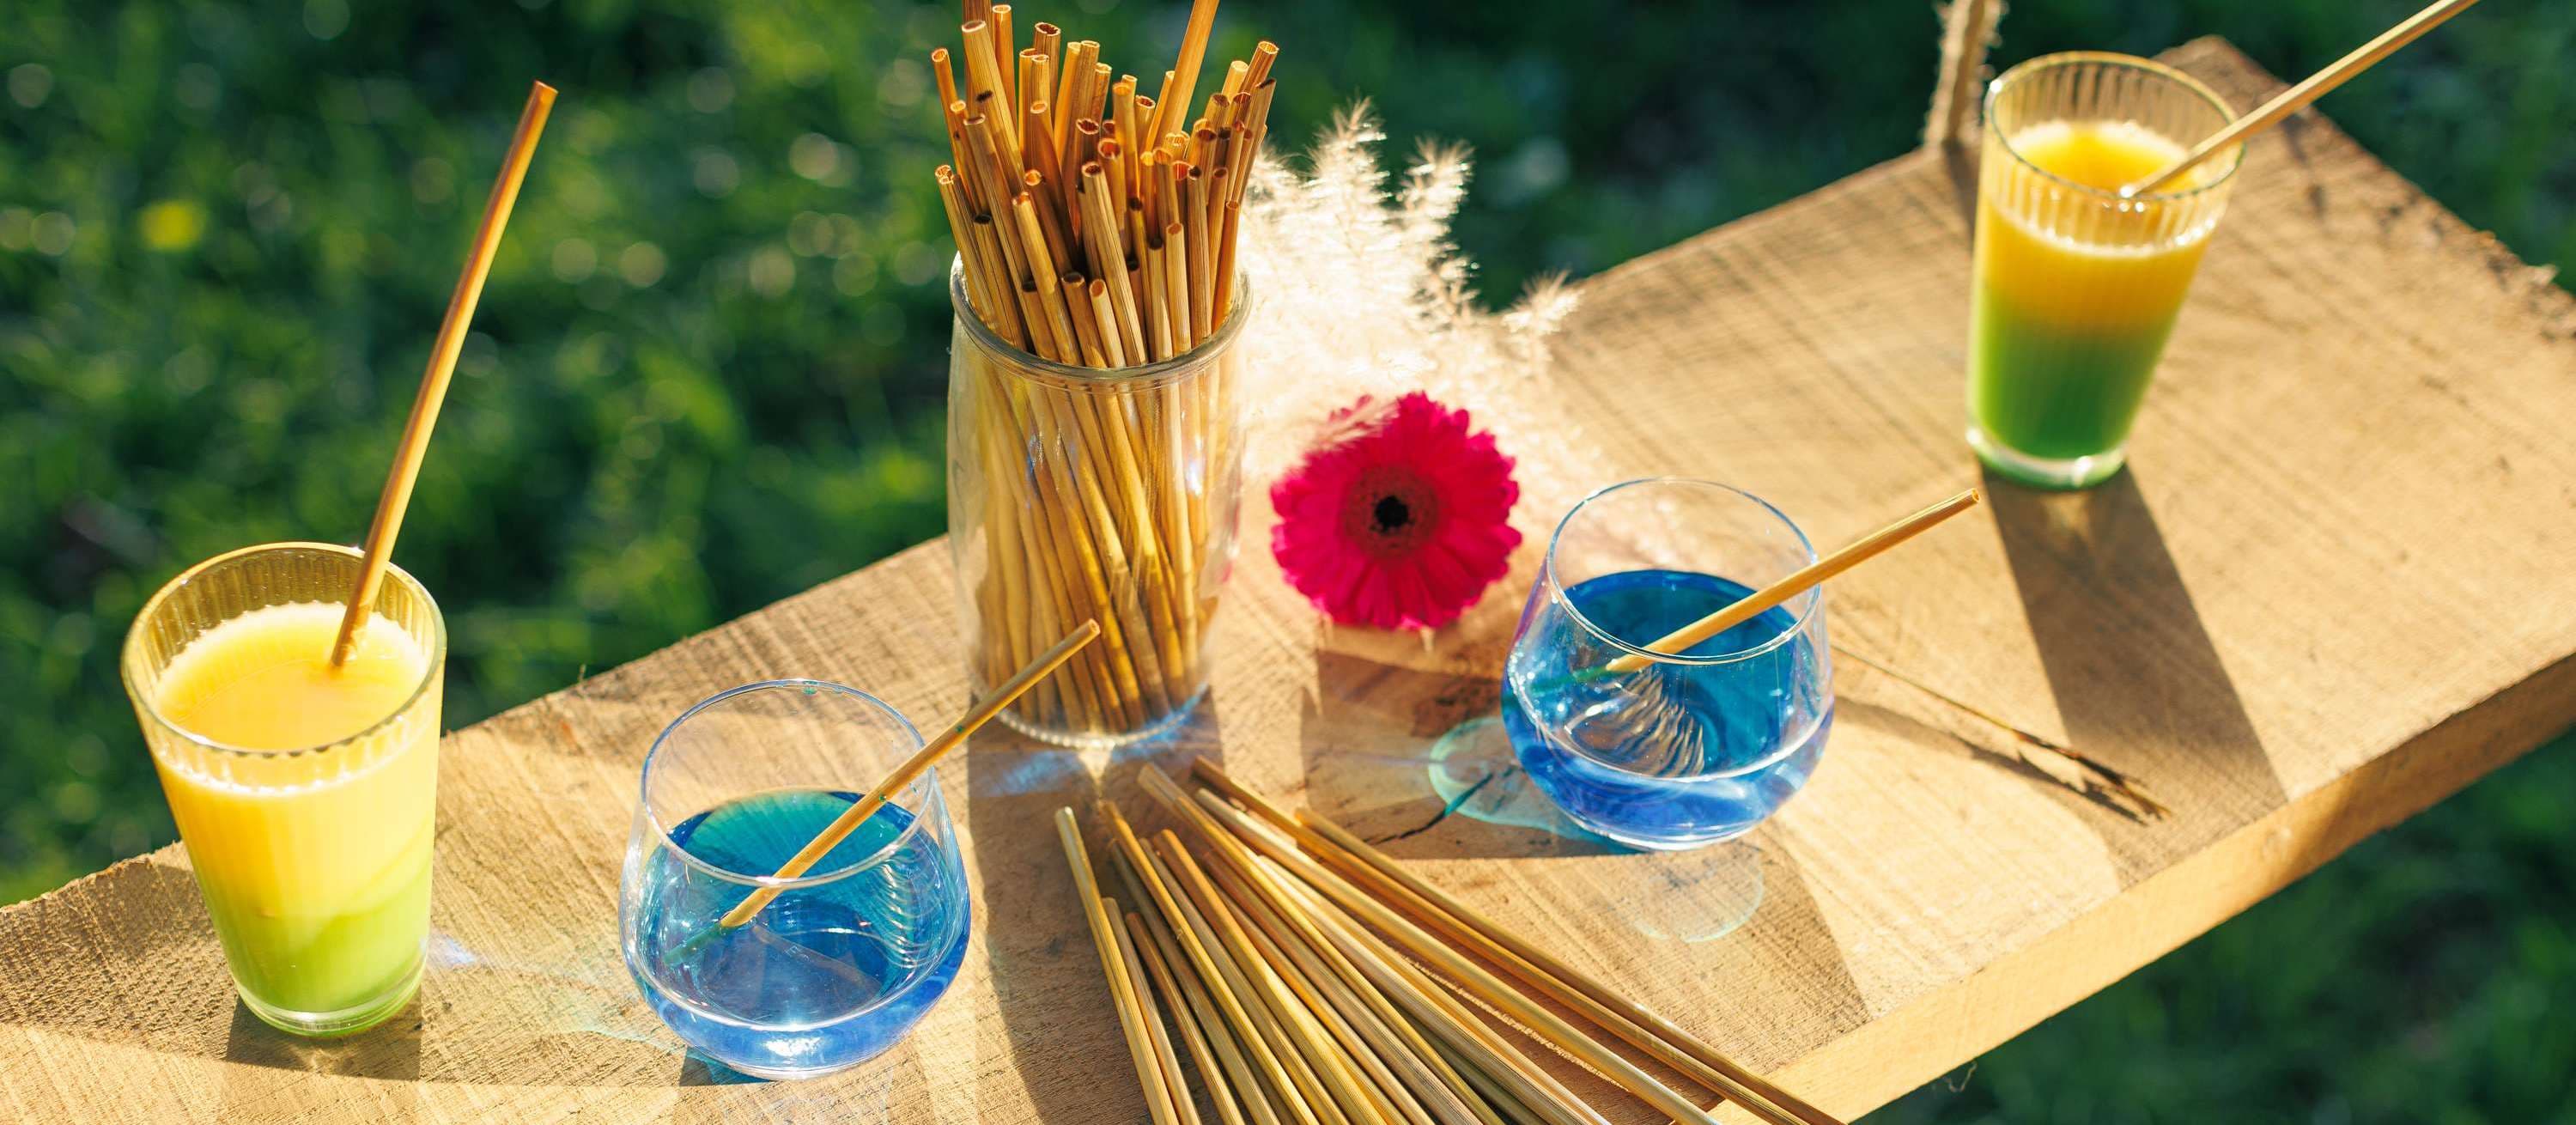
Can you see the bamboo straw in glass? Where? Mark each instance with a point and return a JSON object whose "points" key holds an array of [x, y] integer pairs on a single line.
{"points": [[1095, 455]]}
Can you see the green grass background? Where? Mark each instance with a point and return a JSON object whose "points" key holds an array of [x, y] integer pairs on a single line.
{"points": [[708, 373]]}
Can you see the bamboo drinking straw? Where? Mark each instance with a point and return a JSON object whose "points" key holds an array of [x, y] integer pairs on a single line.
{"points": [[1641, 1028], [1238, 1081], [1367, 1045], [1390, 882], [1500, 1077], [1004, 51], [1389, 971], [1459, 1028], [1325, 1084], [1441, 1089], [1484, 985], [1184, 1109], [1104, 940], [1202, 1055], [1290, 1078], [912, 769], [1806, 578], [1184, 79], [2297, 97], [396, 497], [1223, 982]]}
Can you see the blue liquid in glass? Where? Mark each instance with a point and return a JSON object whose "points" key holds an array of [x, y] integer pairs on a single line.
{"points": [[1672, 756], [826, 976]]}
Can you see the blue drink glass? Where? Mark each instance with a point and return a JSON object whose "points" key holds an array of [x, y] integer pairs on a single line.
{"points": [[850, 955], [1696, 747]]}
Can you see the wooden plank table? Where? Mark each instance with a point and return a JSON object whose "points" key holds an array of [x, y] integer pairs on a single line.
{"points": [[2334, 587]]}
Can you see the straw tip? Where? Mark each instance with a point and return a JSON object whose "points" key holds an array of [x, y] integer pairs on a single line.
{"points": [[541, 92]]}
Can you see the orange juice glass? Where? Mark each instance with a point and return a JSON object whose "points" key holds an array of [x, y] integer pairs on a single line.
{"points": [[2077, 286], [305, 793]]}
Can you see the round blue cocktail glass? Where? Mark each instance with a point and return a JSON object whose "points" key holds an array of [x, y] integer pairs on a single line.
{"points": [[1697, 746], [848, 956]]}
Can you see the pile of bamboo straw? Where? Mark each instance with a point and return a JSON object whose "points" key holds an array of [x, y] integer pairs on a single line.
{"points": [[1095, 228], [1289, 963]]}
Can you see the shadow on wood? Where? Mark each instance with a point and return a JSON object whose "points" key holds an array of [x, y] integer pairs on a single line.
{"points": [[2129, 661], [1039, 960]]}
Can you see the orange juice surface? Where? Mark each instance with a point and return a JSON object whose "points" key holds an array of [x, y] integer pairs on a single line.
{"points": [[2108, 155], [262, 682], [315, 865]]}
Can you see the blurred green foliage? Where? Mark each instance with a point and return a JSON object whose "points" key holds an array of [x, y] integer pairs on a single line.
{"points": [[708, 373]]}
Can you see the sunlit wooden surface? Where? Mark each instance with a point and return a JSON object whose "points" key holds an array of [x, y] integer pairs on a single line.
{"points": [[2334, 587]]}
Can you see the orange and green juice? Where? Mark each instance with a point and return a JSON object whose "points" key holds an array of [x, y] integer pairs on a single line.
{"points": [[2076, 288], [305, 795]]}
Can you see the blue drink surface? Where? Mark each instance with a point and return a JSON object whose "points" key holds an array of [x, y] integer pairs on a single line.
{"points": [[1674, 755], [827, 975]]}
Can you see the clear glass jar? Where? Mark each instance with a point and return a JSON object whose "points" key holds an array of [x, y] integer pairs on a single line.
{"points": [[1075, 493]]}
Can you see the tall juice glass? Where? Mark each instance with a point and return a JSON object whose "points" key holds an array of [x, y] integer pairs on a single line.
{"points": [[304, 793], [2076, 287]]}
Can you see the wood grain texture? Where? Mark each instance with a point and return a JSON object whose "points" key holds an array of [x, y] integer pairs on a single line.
{"points": [[2333, 587]]}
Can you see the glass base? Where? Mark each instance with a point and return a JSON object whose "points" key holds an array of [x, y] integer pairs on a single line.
{"points": [[2046, 472], [329, 1025], [1104, 740], [1645, 843]]}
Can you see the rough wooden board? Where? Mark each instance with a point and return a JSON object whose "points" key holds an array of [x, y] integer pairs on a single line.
{"points": [[2334, 589]]}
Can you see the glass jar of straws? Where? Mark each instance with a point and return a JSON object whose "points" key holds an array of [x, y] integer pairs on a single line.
{"points": [[1078, 492], [846, 957], [1684, 749]]}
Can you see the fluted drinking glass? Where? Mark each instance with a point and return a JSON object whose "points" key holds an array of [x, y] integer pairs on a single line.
{"points": [[2077, 286]]}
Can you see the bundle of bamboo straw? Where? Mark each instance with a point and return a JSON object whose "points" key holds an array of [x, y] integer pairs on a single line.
{"points": [[1290, 964], [1095, 229]]}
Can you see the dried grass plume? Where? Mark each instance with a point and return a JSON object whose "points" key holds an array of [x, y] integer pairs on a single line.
{"points": [[1360, 290]]}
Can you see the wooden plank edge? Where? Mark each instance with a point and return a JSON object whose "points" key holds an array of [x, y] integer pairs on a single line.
{"points": [[1912, 1045]]}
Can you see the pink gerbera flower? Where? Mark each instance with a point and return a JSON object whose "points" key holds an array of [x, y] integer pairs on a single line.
{"points": [[1401, 520]]}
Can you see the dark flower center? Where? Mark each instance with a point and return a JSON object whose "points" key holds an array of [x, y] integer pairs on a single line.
{"points": [[1390, 511]]}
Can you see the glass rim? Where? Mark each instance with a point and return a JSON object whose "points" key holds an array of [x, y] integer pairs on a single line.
{"points": [[927, 783], [2030, 66], [1036, 364], [1814, 596], [132, 655]]}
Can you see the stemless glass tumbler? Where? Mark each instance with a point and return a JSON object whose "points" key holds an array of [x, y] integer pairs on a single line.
{"points": [[306, 794], [1697, 746], [2077, 286], [848, 956], [1076, 492]]}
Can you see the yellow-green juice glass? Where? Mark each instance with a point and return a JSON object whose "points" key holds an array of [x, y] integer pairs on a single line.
{"points": [[2077, 287], [305, 793]]}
